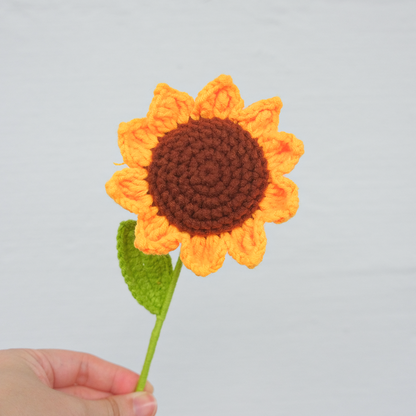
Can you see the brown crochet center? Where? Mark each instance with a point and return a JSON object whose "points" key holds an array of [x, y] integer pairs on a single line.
{"points": [[207, 176]]}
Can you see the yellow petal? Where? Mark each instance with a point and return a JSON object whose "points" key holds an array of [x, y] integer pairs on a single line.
{"points": [[168, 108], [280, 201], [136, 141], [220, 98], [203, 255], [282, 151], [247, 244], [261, 117], [154, 234], [129, 189]]}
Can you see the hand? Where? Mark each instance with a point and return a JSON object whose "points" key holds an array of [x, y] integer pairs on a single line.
{"points": [[66, 383]]}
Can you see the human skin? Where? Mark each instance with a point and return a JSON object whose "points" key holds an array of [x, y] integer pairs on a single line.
{"points": [[67, 383]]}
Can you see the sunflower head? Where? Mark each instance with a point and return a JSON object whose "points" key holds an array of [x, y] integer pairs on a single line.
{"points": [[206, 174]]}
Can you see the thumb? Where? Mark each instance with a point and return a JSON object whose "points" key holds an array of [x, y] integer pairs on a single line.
{"points": [[133, 404]]}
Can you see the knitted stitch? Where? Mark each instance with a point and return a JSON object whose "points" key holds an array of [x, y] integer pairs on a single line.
{"points": [[206, 174]]}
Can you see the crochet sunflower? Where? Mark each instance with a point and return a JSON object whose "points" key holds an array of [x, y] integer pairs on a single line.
{"points": [[207, 174]]}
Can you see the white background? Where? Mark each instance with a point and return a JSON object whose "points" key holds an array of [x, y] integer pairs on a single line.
{"points": [[326, 324]]}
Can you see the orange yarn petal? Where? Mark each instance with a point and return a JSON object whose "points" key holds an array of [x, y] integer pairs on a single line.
{"points": [[219, 98], [136, 142], [154, 234], [203, 255], [261, 117], [280, 201], [129, 189], [168, 108], [282, 151], [247, 244]]}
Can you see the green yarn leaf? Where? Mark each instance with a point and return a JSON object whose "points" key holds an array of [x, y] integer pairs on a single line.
{"points": [[148, 277]]}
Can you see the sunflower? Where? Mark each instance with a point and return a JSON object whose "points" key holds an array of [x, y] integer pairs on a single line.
{"points": [[207, 174]]}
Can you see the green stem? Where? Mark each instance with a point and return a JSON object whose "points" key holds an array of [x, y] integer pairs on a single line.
{"points": [[158, 327]]}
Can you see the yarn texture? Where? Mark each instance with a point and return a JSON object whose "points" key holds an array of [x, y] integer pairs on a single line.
{"points": [[148, 277], [206, 174]]}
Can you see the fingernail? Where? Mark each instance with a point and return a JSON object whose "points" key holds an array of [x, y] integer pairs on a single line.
{"points": [[144, 404]]}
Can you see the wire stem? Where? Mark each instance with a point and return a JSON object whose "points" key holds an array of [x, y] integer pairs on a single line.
{"points": [[158, 327]]}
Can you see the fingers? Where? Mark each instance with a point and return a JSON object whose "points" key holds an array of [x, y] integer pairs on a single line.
{"points": [[134, 404], [69, 368], [26, 378]]}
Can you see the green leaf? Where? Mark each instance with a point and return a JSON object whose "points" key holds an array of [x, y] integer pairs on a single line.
{"points": [[148, 277]]}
